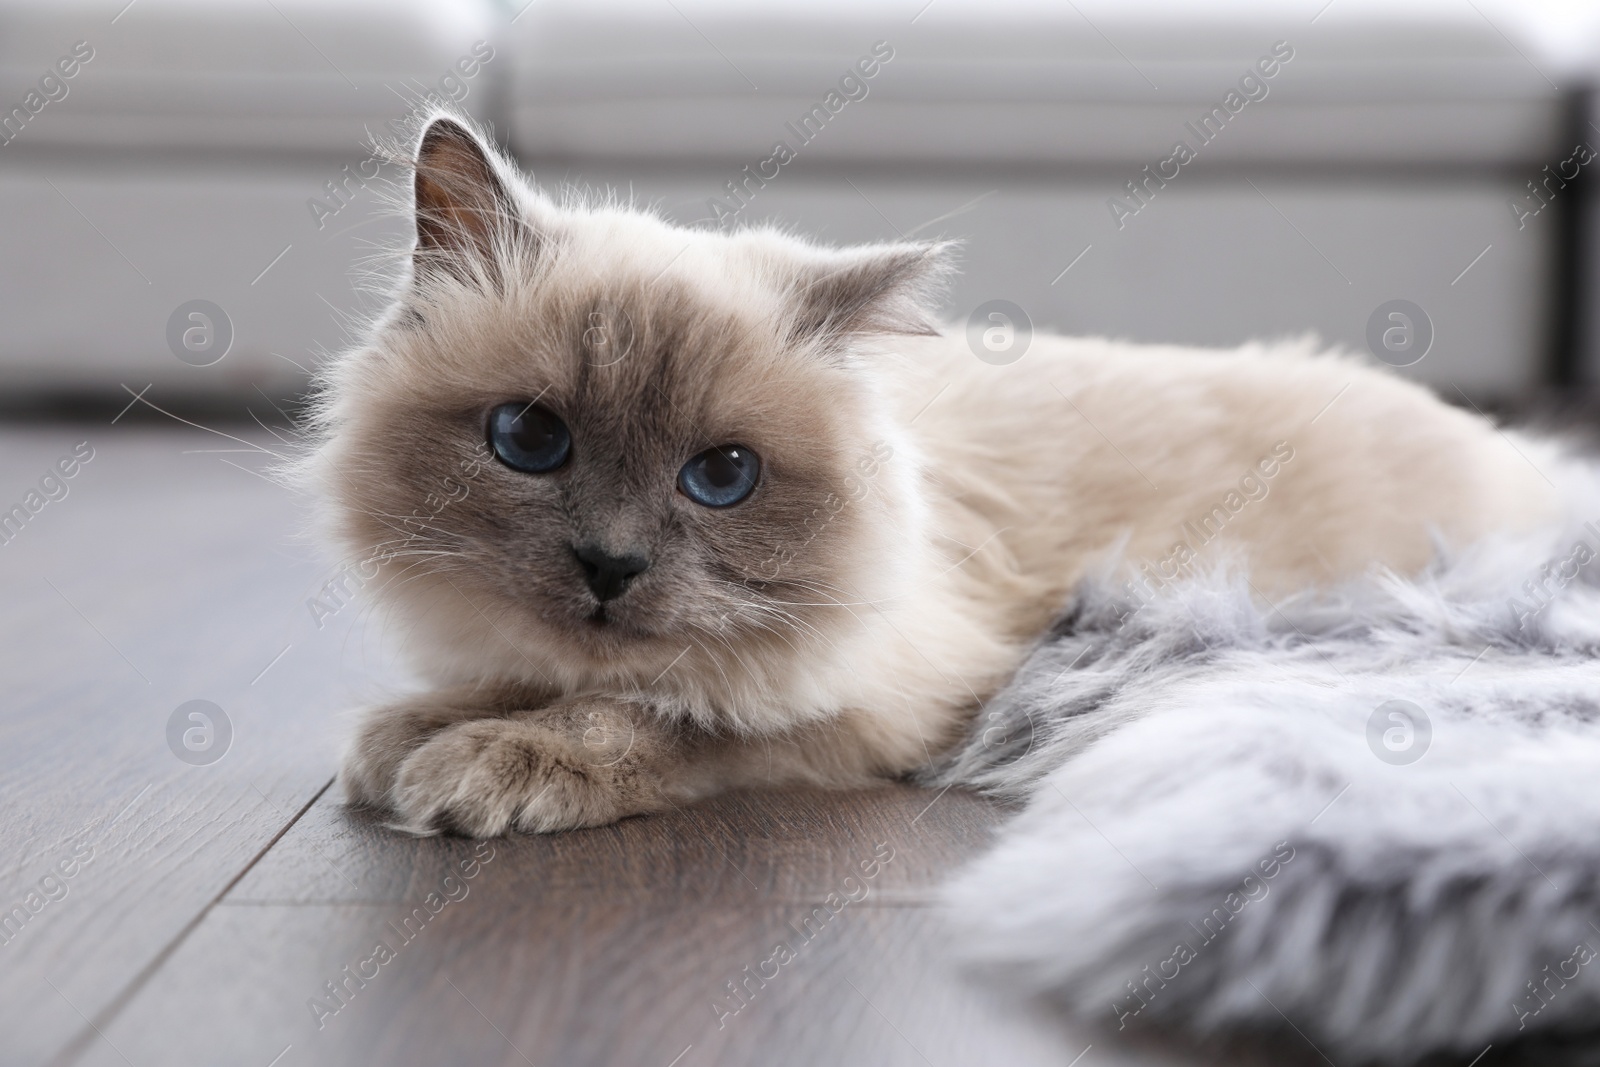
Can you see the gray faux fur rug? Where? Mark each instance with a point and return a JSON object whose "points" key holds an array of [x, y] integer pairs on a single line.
{"points": [[1374, 815]]}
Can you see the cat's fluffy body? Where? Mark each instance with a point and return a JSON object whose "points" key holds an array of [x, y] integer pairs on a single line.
{"points": [[921, 514]]}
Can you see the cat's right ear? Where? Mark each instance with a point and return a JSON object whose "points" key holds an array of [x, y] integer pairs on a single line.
{"points": [[468, 223], [872, 290]]}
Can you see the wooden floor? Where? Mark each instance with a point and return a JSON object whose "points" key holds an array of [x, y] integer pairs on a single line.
{"points": [[213, 911]]}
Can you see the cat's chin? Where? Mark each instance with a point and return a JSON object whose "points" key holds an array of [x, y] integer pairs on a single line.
{"points": [[614, 623], [613, 644], [607, 623], [608, 637]]}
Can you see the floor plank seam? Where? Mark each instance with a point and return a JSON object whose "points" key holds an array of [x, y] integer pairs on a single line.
{"points": [[75, 1048]]}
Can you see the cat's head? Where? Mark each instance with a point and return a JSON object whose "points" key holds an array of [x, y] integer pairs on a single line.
{"points": [[591, 449]]}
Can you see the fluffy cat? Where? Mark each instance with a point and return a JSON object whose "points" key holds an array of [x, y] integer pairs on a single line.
{"points": [[667, 511]]}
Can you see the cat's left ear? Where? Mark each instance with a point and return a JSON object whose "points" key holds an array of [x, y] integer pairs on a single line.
{"points": [[467, 219], [876, 289]]}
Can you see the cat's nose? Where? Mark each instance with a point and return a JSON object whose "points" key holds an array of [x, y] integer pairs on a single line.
{"points": [[608, 574]]}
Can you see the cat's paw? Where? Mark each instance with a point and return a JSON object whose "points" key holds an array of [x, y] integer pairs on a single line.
{"points": [[385, 737], [532, 771]]}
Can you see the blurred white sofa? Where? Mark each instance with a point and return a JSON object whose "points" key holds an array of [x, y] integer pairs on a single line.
{"points": [[1377, 165], [1377, 162], [184, 163]]}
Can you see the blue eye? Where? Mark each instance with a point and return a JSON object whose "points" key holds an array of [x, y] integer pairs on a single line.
{"points": [[528, 438], [721, 476]]}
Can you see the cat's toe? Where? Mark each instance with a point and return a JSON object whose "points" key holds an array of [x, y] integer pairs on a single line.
{"points": [[365, 779], [489, 776], [385, 738]]}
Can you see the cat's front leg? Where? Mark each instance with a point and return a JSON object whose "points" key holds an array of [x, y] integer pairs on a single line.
{"points": [[580, 762], [485, 763]]}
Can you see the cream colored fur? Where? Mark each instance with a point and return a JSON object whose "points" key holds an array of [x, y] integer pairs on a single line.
{"points": [[1034, 473]]}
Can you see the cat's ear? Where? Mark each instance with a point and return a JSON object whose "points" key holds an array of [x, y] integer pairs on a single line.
{"points": [[466, 217], [877, 289]]}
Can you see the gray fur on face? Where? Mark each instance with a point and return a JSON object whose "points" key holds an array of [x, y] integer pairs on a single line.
{"points": [[1171, 752], [651, 344]]}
